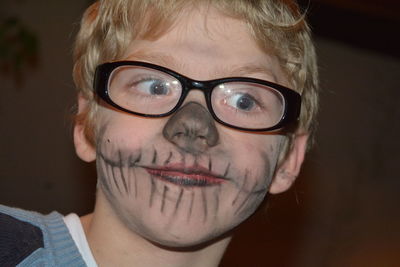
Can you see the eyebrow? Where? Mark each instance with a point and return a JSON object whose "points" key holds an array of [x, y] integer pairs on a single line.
{"points": [[157, 58], [171, 62], [252, 69]]}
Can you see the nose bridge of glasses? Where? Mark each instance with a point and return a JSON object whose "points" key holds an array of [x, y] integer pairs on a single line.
{"points": [[198, 85], [193, 91]]}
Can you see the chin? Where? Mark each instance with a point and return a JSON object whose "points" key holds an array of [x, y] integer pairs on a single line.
{"points": [[185, 241], [178, 236]]}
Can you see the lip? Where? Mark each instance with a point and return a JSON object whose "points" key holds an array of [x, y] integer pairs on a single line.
{"points": [[186, 176]]}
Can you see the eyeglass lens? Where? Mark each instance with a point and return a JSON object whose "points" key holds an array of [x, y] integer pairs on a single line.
{"points": [[152, 92]]}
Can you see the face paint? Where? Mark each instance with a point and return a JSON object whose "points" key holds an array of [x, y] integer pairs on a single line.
{"points": [[192, 129], [185, 180]]}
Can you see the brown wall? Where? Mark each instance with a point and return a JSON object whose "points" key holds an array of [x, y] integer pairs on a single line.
{"points": [[38, 168]]}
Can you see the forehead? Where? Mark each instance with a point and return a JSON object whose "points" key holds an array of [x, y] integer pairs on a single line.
{"points": [[210, 42]]}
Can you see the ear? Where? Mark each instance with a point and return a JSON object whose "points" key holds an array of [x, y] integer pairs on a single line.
{"points": [[83, 147], [289, 168]]}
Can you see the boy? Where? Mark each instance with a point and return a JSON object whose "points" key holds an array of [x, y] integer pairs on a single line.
{"points": [[191, 110]]}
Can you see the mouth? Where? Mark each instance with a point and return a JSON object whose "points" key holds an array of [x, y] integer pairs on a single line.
{"points": [[186, 176]]}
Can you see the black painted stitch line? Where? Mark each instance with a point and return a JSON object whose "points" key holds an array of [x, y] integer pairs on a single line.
{"points": [[105, 182], [135, 181], [227, 170], [133, 166], [178, 201], [104, 167], [165, 191], [209, 165], [154, 160], [241, 188], [123, 178], [107, 160], [129, 177], [111, 168], [217, 193], [246, 199], [205, 208], [152, 191], [191, 206], [114, 178], [167, 161], [139, 158]]}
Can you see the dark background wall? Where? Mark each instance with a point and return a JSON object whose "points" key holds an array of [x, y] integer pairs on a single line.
{"points": [[38, 168], [343, 210]]}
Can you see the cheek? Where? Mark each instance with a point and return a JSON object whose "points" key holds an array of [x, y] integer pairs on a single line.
{"points": [[255, 158], [256, 153], [123, 130], [166, 212]]}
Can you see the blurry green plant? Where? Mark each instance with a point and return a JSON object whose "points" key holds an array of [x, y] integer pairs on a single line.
{"points": [[18, 48]]}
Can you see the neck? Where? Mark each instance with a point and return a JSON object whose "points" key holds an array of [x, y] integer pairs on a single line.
{"points": [[113, 244]]}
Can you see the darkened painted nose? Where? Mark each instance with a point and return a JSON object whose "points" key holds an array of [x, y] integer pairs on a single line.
{"points": [[192, 129]]}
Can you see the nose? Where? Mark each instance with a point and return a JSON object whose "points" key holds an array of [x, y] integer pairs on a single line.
{"points": [[192, 129]]}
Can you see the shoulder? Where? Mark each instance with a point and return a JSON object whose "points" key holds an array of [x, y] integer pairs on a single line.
{"points": [[32, 239], [19, 236], [29, 238]]}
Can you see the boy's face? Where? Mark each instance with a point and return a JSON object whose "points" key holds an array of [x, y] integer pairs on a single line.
{"points": [[185, 179]]}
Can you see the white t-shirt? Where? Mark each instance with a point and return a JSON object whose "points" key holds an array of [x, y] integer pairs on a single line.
{"points": [[78, 235]]}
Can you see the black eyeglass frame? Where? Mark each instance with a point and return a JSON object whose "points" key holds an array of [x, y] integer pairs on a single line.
{"points": [[292, 99]]}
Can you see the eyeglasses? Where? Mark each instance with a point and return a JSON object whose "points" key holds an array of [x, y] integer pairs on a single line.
{"points": [[150, 90]]}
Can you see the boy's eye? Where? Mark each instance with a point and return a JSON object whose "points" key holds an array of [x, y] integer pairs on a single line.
{"points": [[242, 101], [153, 87]]}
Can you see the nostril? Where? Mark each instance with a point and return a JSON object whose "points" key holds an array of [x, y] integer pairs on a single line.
{"points": [[192, 128]]}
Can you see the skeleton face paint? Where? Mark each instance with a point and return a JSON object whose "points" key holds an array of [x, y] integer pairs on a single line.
{"points": [[192, 129], [184, 180]]}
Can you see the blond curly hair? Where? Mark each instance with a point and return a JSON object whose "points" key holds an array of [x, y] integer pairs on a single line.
{"points": [[109, 26]]}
